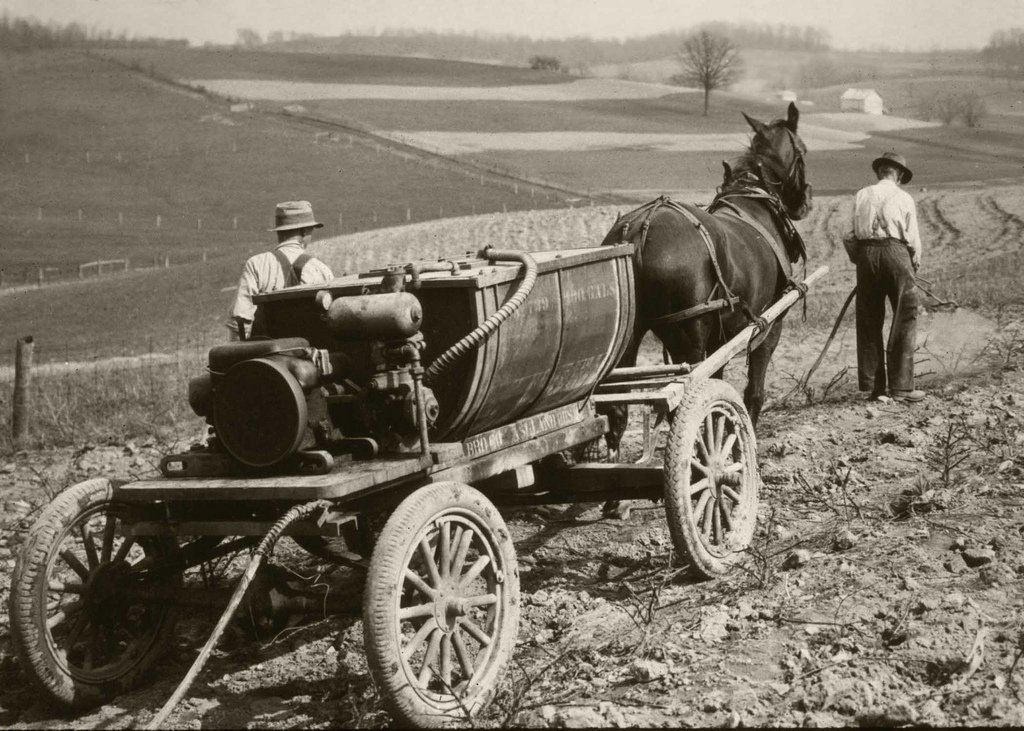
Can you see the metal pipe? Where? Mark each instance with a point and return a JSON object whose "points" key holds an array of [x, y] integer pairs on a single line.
{"points": [[421, 402]]}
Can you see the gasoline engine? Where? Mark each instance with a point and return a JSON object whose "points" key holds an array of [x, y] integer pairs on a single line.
{"points": [[281, 404]]}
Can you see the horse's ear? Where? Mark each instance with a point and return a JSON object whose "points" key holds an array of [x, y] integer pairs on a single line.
{"points": [[793, 118], [728, 171], [759, 127]]}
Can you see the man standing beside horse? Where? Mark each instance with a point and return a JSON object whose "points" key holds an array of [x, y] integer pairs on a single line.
{"points": [[887, 252]]}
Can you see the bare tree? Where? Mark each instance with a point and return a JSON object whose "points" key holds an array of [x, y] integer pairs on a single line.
{"points": [[709, 61]]}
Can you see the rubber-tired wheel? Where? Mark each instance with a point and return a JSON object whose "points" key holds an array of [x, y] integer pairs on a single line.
{"points": [[441, 606], [711, 478], [90, 610]]}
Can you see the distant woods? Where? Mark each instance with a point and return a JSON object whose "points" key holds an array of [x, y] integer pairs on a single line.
{"points": [[20, 35], [576, 55], [1004, 54]]}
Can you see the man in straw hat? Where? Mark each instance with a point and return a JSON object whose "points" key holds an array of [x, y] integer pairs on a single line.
{"points": [[285, 266], [887, 252]]}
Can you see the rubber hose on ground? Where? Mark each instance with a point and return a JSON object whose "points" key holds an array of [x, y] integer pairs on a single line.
{"points": [[479, 335], [262, 551]]}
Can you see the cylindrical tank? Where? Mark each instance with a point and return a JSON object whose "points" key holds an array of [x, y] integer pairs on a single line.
{"points": [[570, 331]]}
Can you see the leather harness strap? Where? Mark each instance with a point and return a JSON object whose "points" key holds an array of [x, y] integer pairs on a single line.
{"points": [[733, 211]]}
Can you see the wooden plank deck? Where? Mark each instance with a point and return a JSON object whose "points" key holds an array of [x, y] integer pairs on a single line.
{"points": [[346, 479]]}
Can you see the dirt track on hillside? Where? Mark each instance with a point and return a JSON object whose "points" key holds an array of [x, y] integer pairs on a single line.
{"points": [[883, 586]]}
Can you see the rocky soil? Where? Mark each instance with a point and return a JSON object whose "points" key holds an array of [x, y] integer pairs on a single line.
{"points": [[883, 588]]}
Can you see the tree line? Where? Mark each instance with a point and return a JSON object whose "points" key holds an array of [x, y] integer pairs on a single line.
{"points": [[28, 34], [1004, 53], [576, 54]]}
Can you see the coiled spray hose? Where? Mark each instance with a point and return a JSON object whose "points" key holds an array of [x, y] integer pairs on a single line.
{"points": [[262, 551], [488, 327]]}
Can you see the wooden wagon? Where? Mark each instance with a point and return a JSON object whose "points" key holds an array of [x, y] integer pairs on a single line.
{"points": [[331, 431]]}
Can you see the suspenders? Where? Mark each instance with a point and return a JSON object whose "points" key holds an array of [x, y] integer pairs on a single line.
{"points": [[292, 269]]}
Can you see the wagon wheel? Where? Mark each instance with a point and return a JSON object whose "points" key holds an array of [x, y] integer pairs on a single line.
{"points": [[711, 478], [89, 612], [441, 606]]}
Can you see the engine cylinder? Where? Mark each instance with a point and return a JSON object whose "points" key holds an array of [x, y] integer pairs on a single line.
{"points": [[393, 316]]}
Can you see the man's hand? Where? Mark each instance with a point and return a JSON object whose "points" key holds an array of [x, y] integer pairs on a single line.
{"points": [[915, 260]]}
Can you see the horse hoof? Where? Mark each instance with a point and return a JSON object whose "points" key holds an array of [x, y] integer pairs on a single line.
{"points": [[616, 510]]}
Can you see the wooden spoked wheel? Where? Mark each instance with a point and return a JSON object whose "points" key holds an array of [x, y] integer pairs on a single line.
{"points": [[711, 478], [441, 607], [90, 608]]}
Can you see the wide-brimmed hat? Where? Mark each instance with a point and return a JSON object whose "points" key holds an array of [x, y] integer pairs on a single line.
{"points": [[895, 160], [294, 214]]}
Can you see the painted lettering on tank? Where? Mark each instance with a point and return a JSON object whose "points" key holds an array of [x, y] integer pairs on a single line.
{"points": [[521, 431], [589, 293]]}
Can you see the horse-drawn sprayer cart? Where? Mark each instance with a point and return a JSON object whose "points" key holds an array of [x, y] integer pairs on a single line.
{"points": [[381, 424]]}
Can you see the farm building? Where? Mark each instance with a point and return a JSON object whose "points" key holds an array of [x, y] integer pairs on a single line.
{"points": [[787, 95], [241, 107], [861, 100]]}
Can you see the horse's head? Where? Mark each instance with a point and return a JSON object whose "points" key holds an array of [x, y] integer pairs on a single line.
{"points": [[778, 154]]}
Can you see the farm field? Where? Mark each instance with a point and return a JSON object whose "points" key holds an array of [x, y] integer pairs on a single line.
{"points": [[232, 63], [655, 135], [98, 162], [883, 586], [880, 590]]}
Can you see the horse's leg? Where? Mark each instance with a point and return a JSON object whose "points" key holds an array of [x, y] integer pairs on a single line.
{"points": [[618, 416], [685, 343], [753, 396], [689, 342], [618, 420]]}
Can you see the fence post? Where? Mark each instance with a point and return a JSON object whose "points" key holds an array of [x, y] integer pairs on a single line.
{"points": [[204, 256], [120, 218], [167, 261], [234, 223], [79, 215], [158, 220], [408, 214], [22, 401], [199, 224], [340, 226], [39, 281]]}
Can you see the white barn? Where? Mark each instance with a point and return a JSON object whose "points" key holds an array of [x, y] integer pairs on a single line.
{"points": [[867, 101]]}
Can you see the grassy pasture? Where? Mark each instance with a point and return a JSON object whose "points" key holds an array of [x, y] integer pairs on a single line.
{"points": [[80, 134], [677, 113], [227, 63]]}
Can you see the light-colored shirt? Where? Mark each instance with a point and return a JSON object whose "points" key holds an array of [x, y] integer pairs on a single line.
{"points": [[884, 210], [264, 273]]}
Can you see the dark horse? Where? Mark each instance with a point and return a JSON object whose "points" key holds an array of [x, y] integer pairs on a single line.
{"points": [[703, 275]]}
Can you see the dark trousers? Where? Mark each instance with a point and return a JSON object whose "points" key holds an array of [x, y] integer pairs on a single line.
{"points": [[884, 272]]}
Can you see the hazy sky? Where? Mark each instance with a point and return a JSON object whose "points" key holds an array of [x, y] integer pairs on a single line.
{"points": [[899, 24]]}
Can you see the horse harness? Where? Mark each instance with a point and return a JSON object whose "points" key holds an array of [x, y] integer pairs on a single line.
{"points": [[720, 297]]}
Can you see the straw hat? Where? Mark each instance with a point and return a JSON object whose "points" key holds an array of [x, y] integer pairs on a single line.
{"points": [[294, 214], [894, 160]]}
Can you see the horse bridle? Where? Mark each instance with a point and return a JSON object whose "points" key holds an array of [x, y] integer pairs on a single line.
{"points": [[796, 167]]}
